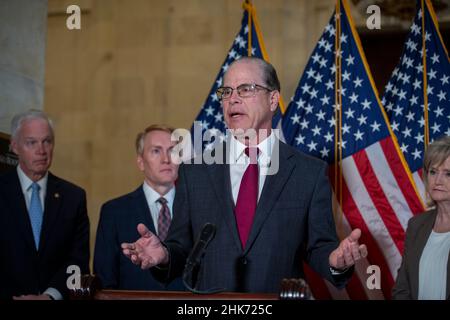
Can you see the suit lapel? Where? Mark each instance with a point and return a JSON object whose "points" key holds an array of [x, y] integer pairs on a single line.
{"points": [[448, 277], [219, 175], [142, 209], [53, 201], [273, 186], [423, 233], [19, 210]]}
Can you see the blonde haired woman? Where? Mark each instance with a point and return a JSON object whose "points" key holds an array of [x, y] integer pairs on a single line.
{"points": [[425, 270]]}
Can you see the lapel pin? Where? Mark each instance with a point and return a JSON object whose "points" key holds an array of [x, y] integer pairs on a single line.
{"points": [[56, 195]]}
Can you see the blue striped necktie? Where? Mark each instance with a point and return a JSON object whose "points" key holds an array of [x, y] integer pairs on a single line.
{"points": [[35, 212]]}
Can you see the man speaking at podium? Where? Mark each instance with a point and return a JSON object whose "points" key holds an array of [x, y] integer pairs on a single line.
{"points": [[266, 222]]}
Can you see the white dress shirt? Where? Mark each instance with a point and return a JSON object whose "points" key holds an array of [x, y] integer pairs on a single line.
{"points": [[26, 183], [152, 201], [239, 162], [433, 267]]}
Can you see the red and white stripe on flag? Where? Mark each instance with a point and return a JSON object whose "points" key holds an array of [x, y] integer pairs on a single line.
{"points": [[378, 198]]}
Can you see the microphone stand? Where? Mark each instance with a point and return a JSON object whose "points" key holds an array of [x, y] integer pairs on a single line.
{"points": [[193, 290], [195, 257]]}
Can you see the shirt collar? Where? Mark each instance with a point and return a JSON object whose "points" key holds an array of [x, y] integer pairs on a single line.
{"points": [[265, 147], [26, 182], [152, 196]]}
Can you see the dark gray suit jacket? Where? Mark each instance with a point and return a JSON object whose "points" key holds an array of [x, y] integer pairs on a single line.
{"points": [[293, 222], [417, 234]]}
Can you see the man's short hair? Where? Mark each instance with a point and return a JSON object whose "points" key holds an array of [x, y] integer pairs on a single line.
{"points": [[270, 76], [18, 120], [141, 135]]}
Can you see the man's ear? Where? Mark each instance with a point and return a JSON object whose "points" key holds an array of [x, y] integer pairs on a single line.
{"points": [[140, 162], [13, 146], [274, 100]]}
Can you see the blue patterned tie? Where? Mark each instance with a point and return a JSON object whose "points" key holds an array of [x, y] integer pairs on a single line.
{"points": [[36, 213]]}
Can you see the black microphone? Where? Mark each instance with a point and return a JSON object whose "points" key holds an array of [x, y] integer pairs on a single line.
{"points": [[195, 256]]}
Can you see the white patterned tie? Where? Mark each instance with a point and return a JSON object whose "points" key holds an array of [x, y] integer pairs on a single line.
{"points": [[35, 213]]}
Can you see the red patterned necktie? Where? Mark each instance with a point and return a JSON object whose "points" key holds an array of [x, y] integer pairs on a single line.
{"points": [[163, 219], [248, 196]]}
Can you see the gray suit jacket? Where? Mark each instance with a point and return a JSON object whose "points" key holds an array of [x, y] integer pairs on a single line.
{"points": [[417, 234], [293, 222]]}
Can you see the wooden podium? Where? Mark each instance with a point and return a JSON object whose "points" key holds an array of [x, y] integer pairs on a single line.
{"points": [[291, 289]]}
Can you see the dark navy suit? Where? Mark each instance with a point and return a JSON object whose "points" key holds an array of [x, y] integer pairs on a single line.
{"points": [[118, 222], [64, 238]]}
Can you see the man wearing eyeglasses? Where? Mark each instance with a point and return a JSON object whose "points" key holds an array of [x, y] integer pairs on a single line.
{"points": [[266, 223]]}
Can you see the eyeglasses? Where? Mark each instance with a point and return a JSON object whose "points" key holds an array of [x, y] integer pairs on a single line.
{"points": [[244, 91]]}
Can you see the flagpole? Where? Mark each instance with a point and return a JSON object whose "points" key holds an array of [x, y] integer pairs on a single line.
{"points": [[249, 25], [425, 84], [429, 6], [247, 5], [341, 107], [336, 115], [383, 112], [338, 112]]}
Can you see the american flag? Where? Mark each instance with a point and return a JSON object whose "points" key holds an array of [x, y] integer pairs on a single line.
{"points": [[377, 193], [210, 115], [404, 94]]}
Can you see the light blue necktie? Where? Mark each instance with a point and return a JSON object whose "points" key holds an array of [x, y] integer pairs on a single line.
{"points": [[36, 213]]}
